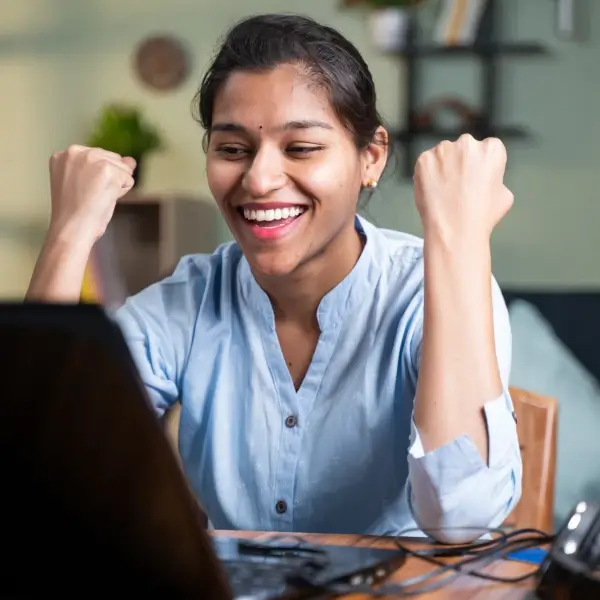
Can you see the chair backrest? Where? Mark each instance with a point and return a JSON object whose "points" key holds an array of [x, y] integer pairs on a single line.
{"points": [[171, 426], [536, 423], [537, 418]]}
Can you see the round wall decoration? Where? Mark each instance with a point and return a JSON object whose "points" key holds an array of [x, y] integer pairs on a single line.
{"points": [[161, 62]]}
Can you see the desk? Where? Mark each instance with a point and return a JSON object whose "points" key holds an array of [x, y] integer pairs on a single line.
{"points": [[461, 588]]}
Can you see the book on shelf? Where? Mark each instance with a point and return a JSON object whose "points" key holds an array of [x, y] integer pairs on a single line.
{"points": [[459, 22]]}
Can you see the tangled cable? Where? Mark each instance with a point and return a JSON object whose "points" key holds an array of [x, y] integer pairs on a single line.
{"points": [[472, 557], [467, 559]]}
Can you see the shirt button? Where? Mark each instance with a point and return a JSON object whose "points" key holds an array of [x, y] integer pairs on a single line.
{"points": [[281, 507], [291, 421]]}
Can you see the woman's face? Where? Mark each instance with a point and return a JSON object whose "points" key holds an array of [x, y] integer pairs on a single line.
{"points": [[284, 171]]}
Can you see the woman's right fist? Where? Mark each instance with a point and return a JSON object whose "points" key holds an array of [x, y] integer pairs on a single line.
{"points": [[85, 185]]}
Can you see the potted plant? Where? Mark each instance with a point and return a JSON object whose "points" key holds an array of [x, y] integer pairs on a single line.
{"points": [[123, 130], [388, 21]]}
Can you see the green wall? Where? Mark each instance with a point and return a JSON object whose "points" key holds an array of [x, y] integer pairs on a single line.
{"points": [[60, 61]]}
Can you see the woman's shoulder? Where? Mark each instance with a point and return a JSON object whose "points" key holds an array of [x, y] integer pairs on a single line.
{"points": [[401, 241], [202, 269], [195, 277], [398, 257], [390, 245]]}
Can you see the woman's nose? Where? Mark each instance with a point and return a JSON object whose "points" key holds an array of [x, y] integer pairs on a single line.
{"points": [[265, 173]]}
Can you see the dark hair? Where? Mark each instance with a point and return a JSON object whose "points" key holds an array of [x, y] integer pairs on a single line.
{"points": [[263, 42]]}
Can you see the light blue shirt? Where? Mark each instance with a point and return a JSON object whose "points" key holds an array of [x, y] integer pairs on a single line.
{"points": [[341, 454]]}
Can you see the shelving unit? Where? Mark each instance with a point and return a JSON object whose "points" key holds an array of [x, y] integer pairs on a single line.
{"points": [[489, 49], [147, 236]]}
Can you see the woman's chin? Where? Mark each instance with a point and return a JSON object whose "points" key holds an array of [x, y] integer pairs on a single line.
{"points": [[272, 264]]}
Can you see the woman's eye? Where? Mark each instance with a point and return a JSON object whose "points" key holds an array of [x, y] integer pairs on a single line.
{"points": [[303, 149], [232, 151], [237, 152]]}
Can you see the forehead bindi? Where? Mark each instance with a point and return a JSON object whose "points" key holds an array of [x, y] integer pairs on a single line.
{"points": [[267, 100]]}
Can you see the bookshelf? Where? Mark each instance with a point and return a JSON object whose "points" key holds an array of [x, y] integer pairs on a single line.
{"points": [[145, 239], [489, 49]]}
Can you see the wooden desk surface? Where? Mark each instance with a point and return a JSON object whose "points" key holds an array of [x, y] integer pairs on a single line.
{"points": [[461, 588]]}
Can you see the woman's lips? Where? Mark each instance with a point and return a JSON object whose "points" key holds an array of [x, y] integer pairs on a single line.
{"points": [[271, 221]]}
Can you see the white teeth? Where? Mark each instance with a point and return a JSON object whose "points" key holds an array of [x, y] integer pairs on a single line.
{"points": [[273, 214]]}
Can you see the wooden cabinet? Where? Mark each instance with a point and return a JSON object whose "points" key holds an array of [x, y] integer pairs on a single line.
{"points": [[145, 239]]}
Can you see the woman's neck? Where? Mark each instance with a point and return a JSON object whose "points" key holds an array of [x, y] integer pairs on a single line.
{"points": [[296, 297]]}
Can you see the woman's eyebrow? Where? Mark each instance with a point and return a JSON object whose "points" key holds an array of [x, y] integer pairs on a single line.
{"points": [[290, 125]]}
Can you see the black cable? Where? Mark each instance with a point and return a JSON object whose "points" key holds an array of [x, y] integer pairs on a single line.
{"points": [[462, 549], [518, 539], [481, 559], [482, 553], [475, 573], [493, 550]]}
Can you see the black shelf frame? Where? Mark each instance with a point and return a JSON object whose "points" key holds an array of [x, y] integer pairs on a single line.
{"points": [[489, 50]]}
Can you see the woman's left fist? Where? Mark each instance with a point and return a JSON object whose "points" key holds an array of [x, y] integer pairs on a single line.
{"points": [[459, 187]]}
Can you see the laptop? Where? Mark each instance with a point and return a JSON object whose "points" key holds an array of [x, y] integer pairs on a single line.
{"points": [[93, 498]]}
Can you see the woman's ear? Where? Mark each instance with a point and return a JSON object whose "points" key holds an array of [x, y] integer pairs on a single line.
{"points": [[374, 158]]}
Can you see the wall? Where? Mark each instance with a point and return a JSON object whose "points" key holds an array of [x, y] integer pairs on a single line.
{"points": [[61, 60]]}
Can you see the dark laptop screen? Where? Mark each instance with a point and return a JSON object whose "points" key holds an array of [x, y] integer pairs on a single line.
{"points": [[93, 498]]}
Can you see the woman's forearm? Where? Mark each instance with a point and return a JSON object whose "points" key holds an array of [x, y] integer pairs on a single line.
{"points": [[85, 184], [60, 268], [458, 371]]}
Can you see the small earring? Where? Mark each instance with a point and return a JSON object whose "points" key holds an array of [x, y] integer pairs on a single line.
{"points": [[372, 184]]}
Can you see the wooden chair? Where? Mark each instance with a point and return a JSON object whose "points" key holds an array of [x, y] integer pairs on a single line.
{"points": [[537, 418], [536, 423], [171, 425], [171, 428]]}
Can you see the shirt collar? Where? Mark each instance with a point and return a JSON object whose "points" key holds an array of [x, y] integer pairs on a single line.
{"points": [[352, 291]]}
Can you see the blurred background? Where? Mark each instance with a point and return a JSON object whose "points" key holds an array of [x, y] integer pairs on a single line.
{"points": [[63, 61], [123, 74]]}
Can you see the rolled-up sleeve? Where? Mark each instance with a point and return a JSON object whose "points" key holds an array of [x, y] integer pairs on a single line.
{"points": [[452, 489]]}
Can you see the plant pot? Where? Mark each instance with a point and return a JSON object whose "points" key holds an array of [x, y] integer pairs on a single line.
{"points": [[388, 28]]}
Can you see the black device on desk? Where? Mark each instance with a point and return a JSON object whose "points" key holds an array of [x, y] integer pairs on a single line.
{"points": [[94, 501], [571, 568]]}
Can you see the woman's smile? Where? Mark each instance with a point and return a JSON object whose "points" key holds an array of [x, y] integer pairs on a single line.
{"points": [[270, 221]]}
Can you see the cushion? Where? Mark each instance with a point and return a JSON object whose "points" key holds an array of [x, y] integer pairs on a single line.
{"points": [[542, 364]]}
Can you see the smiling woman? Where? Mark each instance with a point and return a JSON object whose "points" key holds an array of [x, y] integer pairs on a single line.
{"points": [[274, 219], [294, 125], [333, 376]]}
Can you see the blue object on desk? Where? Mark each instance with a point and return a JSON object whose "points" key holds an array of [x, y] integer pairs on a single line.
{"points": [[533, 556]]}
